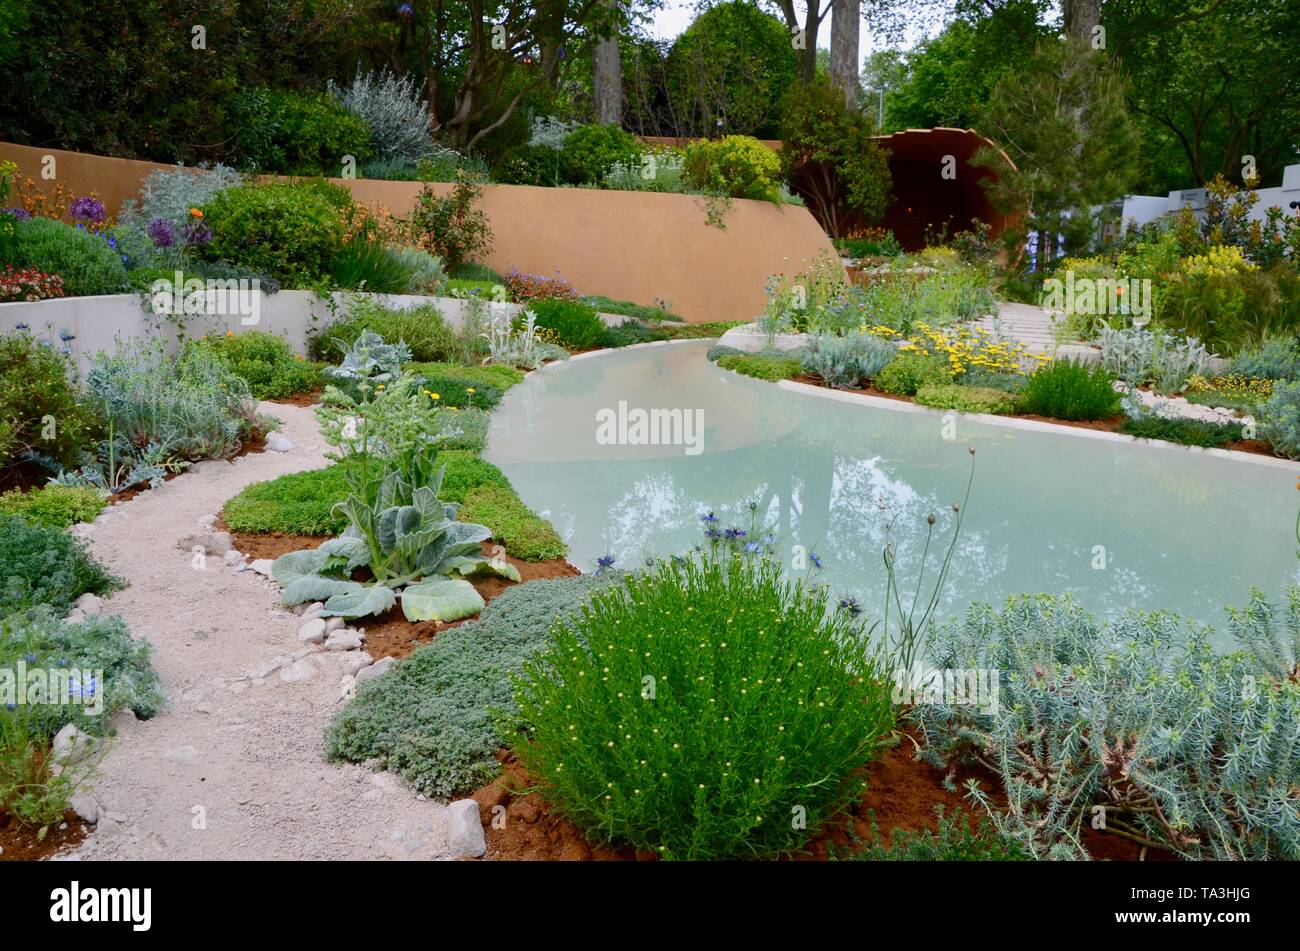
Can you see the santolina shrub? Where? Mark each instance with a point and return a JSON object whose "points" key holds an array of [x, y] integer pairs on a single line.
{"points": [[709, 709], [1064, 389]]}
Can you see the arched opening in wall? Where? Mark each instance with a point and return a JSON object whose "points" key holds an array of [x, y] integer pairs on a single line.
{"points": [[935, 186]]}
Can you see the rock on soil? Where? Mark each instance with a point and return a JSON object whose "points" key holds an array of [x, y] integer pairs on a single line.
{"points": [[465, 829]]}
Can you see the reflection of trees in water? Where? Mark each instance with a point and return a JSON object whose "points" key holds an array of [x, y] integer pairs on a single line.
{"points": [[1178, 532]]}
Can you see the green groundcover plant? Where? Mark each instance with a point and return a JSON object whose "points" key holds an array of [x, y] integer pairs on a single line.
{"points": [[524, 534], [432, 719], [575, 324], [909, 372], [707, 709], [1139, 724], [761, 366], [43, 565], [966, 399], [1188, 432], [303, 503], [54, 506]]}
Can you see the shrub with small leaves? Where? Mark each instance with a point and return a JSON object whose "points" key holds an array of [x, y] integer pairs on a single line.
{"points": [[845, 362], [577, 325], [43, 565], [909, 371], [701, 709], [966, 399], [1064, 389], [55, 506], [761, 366], [1279, 419]]}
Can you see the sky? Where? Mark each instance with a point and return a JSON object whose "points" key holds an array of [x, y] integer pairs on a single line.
{"points": [[677, 15]]}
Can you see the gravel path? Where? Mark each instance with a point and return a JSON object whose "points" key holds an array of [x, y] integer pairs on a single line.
{"points": [[232, 768]]}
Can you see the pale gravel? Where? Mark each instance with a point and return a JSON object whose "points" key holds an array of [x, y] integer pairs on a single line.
{"points": [[243, 756]]}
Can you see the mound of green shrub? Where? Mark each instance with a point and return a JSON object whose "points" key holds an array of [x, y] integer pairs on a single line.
{"points": [[1064, 389], [302, 503], [290, 231], [421, 328], [55, 506], [264, 361], [701, 707], [909, 372], [85, 261], [43, 565], [1188, 432], [529, 165], [592, 150], [430, 719], [287, 133], [738, 166], [576, 325], [966, 399], [525, 534], [36, 386], [761, 366]]}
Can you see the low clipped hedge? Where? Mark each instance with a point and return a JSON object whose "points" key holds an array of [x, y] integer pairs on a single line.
{"points": [[430, 719], [525, 534]]}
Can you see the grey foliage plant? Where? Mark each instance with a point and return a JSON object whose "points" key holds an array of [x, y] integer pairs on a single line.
{"points": [[1138, 725], [846, 361], [1164, 359], [391, 105]]}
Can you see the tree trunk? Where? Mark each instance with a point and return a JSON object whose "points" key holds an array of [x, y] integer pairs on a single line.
{"points": [[1080, 17], [845, 21], [607, 81]]}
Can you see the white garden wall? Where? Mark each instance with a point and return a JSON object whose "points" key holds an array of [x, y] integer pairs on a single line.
{"points": [[97, 323]]}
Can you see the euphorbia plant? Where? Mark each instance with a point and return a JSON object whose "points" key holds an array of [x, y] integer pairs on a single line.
{"points": [[409, 542]]}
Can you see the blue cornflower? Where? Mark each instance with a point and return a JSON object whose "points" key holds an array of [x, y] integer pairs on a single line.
{"points": [[734, 533], [769, 539], [62, 662], [21, 326], [65, 336], [851, 605], [815, 559], [603, 562], [712, 533], [708, 517], [753, 548], [65, 350], [30, 658]]}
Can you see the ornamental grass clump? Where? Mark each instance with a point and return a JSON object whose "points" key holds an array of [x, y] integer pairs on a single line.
{"points": [[708, 709]]}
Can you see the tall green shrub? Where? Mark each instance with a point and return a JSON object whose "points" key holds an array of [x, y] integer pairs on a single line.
{"points": [[289, 231], [85, 261]]}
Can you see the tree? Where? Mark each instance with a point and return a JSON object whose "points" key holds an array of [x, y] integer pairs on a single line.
{"points": [[607, 79], [805, 34], [831, 159], [844, 47], [1213, 81], [728, 70], [1062, 120]]}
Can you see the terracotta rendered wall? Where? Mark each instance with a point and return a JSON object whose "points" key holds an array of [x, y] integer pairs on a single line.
{"points": [[635, 246]]}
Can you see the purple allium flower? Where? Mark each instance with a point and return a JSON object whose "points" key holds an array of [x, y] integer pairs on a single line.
{"points": [[161, 232], [89, 209], [22, 214]]}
